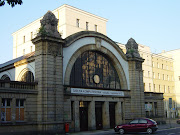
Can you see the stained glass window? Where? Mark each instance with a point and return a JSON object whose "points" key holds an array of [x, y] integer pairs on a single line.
{"points": [[94, 69]]}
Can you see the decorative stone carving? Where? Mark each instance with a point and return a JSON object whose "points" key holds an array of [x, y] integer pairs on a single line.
{"points": [[98, 42], [132, 49], [54, 49], [138, 65], [49, 26]]}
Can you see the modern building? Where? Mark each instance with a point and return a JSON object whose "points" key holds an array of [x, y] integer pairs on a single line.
{"points": [[84, 80], [70, 21], [175, 55]]}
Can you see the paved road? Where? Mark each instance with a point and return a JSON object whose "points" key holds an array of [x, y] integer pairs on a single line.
{"points": [[172, 131]]}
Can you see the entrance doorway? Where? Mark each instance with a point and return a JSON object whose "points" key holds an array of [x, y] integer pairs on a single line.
{"points": [[98, 111], [112, 114], [83, 113]]}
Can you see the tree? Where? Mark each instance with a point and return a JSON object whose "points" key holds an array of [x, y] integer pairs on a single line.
{"points": [[11, 2]]}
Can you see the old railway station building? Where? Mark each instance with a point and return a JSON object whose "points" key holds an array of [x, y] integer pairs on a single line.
{"points": [[84, 80]]}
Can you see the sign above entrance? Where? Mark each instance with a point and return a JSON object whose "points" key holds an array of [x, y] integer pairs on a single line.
{"points": [[96, 92]]}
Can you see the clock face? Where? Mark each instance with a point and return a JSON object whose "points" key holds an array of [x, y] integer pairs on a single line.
{"points": [[96, 79]]}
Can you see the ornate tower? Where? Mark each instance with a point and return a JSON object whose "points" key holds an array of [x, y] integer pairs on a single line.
{"points": [[136, 79], [48, 74]]}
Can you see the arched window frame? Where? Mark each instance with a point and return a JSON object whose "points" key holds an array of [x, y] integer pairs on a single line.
{"points": [[27, 77], [81, 76], [5, 78]]}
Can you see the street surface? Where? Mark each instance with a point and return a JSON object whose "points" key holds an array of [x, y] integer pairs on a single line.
{"points": [[172, 131]]}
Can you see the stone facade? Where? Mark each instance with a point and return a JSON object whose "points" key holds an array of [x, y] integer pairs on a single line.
{"points": [[66, 89]]}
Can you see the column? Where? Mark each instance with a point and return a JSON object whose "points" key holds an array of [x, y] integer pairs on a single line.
{"points": [[118, 113], [135, 79], [76, 116], [91, 116], [49, 74], [105, 115], [13, 111]]}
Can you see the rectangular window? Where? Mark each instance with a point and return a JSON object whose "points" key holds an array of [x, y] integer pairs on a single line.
{"points": [[144, 87], [19, 109], [77, 23], [153, 64], [157, 65], [158, 76], [162, 66], [31, 49], [6, 109], [148, 73], [168, 89], [24, 39], [155, 108], [23, 51], [149, 86], [144, 73], [159, 88], [154, 87], [172, 89], [87, 25], [163, 76], [95, 27], [154, 75], [31, 35], [168, 77], [164, 88]]}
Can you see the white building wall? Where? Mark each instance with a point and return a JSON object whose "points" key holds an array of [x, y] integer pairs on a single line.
{"points": [[175, 54], [67, 16]]}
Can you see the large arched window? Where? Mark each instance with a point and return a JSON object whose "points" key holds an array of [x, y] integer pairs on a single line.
{"points": [[5, 78], [27, 77], [94, 69]]}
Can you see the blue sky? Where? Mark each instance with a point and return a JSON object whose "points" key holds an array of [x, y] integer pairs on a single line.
{"points": [[155, 23]]}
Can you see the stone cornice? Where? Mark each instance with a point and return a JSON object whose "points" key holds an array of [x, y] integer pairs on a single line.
{"points": [[47, 38], [17, 91], [24, 61]]}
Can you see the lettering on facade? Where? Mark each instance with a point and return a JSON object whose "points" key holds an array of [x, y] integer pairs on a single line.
{"points": [[96, 92]]}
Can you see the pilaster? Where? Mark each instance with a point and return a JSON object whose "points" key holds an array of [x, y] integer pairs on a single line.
{"points": [[136, 79], [91, 116], [105, 115], [118, 113], [13, 111], [76, 119]]}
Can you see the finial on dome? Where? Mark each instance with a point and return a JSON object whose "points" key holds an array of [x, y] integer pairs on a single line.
{"points": [[132, 48], [49, 26]]}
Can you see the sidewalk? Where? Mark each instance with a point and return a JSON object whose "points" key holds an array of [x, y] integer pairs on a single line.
{"points": [[168, 125]]}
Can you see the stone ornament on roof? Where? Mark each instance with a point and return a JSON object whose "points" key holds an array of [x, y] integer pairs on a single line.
{"points": [[49, 26], [132, 49]]}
